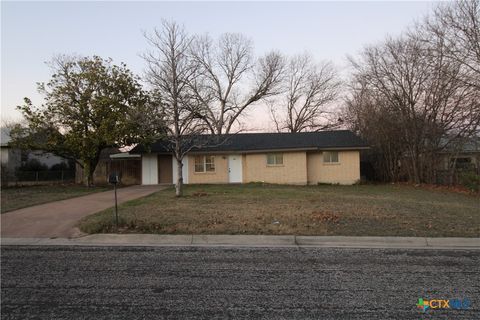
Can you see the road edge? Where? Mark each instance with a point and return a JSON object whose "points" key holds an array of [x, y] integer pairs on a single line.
{"points": [[152, 240]]}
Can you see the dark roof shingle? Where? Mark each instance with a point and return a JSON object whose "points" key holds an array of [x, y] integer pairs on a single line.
{"points": [[251, 142]]}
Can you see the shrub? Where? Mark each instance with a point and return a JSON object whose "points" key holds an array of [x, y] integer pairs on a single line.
{"points": [[470, 180], [33, 165], [60, 166]]}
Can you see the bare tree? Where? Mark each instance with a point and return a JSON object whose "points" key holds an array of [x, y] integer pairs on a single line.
{"points": [[452, 42], [170, 71], [398, 70], [308, 90], [451, 101], [229, 79], [368, 113], [423, 89], [457, 26]]}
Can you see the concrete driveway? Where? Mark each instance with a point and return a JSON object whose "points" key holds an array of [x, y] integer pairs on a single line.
{"points": [[58, 219]]}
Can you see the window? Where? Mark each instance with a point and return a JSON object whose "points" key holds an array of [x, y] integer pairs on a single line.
{"points": [[199, 165], [210, 163], [274, 159], [204, 163], [462, 163], [330, 157]]}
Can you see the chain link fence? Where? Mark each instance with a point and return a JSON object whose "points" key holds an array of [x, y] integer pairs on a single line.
{"points": [[39, 177]]}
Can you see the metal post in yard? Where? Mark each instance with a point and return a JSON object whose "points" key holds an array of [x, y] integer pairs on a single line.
{"points": [[114, 179], [116, 207], [62, 176]]}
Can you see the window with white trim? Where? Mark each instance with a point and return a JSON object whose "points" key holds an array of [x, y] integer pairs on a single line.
{"points": [[204, 164], [330, 156], [275, 159]]}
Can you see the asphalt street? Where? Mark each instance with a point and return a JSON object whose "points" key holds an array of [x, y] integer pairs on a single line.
{"points": [[222, 283]]}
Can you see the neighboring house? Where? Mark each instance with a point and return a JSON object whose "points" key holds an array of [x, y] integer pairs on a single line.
{"points": [[463, 155], [13, 158], [283, 158], [10, 157]]}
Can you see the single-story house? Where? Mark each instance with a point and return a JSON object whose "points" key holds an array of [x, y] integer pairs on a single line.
{"points": [[461, 155], [283, 158], [12, 159]]}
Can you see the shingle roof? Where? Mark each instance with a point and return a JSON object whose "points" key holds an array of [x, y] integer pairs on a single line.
{"points": [[466, 145], [251, 142], [106, 152]]}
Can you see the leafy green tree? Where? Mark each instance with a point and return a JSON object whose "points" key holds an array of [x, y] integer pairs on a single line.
{"points": [[90, 104]]}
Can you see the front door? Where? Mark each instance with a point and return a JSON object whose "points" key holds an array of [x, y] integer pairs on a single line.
{"points": [[235, 168], [165, 174]]}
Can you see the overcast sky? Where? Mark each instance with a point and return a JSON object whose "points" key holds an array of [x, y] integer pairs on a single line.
{"points": [[33, 32]]}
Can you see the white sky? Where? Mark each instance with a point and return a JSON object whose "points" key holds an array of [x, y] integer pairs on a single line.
{"points": [[31, 33]]}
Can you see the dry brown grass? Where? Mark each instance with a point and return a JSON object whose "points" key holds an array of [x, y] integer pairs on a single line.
{"points": [[312, 210], [14, 198]]}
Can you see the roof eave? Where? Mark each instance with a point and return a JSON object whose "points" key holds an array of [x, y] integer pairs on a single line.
{"points": [[250, 151], [343, 148]]}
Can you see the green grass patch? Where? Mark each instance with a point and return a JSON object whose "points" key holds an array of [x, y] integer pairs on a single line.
{"points": [[358, 210]]}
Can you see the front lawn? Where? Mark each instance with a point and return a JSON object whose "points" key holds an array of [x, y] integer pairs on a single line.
{"points": [[14, 198], [360, 210]]}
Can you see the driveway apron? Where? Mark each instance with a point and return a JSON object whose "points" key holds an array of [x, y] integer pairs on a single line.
{"points": [[59, 218]]}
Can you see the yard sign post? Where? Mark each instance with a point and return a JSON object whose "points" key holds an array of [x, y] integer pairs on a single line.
{"points": [[114, 179]]}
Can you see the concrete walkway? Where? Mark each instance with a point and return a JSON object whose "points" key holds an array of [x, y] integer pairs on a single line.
{"points": [[58, 219], [253, 241]]}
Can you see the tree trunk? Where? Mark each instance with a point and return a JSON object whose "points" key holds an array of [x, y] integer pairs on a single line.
{"points": [[179, 184], [87, 174], [414, 158], [415, 177]]}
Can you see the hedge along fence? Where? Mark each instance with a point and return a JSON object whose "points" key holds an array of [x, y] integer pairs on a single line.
{"points": [[470, 179], [45, 176]]}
